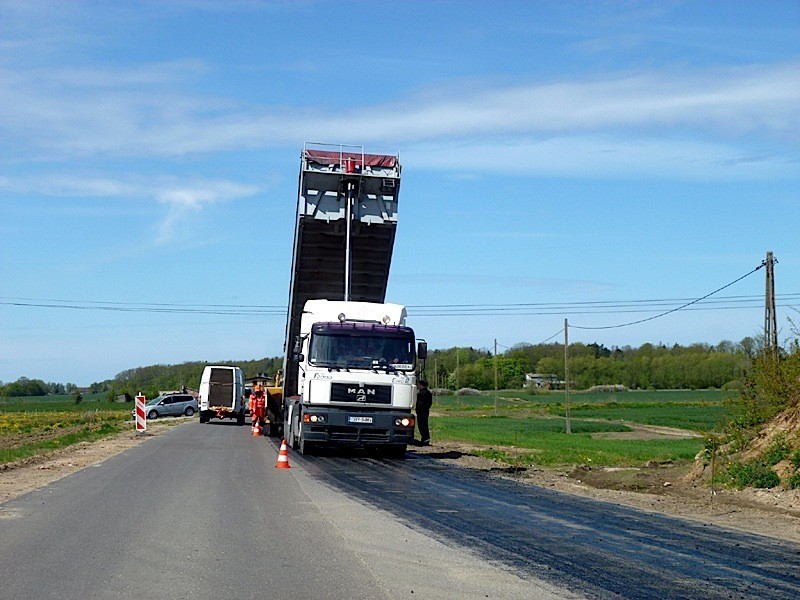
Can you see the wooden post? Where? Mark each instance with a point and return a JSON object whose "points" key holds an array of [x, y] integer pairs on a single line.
{"points": [[770, 319], [495, 377], [566, 372]]}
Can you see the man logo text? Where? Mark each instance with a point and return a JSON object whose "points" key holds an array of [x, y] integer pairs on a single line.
{"points": [[361, 393]]}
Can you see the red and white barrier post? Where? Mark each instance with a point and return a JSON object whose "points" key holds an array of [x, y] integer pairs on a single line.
{"points": [[141, 419]]}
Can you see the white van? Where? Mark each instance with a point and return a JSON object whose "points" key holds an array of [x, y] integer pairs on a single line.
{"points": [[222, 394]]}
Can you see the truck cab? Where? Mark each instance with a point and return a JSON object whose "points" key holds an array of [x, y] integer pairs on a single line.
{"points": [[356, 378]]}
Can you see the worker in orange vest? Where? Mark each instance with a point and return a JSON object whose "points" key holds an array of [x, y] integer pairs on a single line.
{"points": [[258, 406]]}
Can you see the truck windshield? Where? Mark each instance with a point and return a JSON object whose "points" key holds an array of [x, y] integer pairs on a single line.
{"points": [[361, 350]]}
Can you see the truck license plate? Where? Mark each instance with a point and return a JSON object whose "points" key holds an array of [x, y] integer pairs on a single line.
{"points": [[359, 419]]}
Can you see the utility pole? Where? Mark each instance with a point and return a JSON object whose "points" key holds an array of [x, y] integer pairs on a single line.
{"points": [[495, 377], [770, 318], [458, 353], [566, 372]]}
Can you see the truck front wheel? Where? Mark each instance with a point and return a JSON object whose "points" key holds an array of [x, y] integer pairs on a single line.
{"points": [[307, 448], [398, 451]]}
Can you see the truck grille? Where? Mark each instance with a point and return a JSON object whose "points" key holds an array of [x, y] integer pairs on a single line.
{"points": [[355, 435], [361, 394]]}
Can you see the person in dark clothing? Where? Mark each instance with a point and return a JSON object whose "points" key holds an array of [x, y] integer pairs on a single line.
{"points": [[424, 403]]}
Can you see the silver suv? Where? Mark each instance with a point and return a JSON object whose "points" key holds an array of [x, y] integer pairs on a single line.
{"points": [[170, 405]]}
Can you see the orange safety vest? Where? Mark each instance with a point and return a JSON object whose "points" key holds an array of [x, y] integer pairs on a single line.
{"points": [[258, 404]]}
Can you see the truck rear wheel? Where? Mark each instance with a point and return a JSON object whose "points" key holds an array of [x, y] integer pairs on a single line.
{"points": [[274, 424]]}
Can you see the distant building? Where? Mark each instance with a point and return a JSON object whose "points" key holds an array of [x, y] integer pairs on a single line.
{"points": [[546, 381], [261, 379]]}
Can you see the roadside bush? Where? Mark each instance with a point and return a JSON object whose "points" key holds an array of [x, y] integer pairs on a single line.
{"points": [[607, 389], [755, 473], [468, 392], [778, 451], [734, 385], [796, 459], [441, 392], [794, 481]]}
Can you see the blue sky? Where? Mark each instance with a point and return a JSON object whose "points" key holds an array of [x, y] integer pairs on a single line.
{"points": [[627, 156]]}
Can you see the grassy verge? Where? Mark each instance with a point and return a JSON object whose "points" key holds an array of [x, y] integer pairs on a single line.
{"points": [[36, 426], [87, 433]]}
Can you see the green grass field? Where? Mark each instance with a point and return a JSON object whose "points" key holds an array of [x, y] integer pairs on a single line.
{"points": [[31, 426], [530, 429]]}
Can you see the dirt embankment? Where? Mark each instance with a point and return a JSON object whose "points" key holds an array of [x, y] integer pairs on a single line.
{"points": [[665, 488]]}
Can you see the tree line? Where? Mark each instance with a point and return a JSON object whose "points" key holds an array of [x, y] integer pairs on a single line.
{"points": [[35, 387], [148, 380], [155, 378], [650, 366]]}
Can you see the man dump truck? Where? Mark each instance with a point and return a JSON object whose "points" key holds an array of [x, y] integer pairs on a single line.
{"points": [[350, 364], [221, 394]]}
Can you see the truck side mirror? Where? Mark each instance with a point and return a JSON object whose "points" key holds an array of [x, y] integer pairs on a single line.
{"points": [[297, 351], [422, 350]]}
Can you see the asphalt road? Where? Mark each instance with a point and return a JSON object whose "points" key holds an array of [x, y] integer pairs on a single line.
{"points": [[595, 549], [201, 512]]}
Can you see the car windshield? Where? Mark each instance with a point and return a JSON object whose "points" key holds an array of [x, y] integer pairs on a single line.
{"points": [[155, 401], [357, 350]]}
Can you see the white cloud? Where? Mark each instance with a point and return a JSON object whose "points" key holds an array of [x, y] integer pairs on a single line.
{"points": [[194, 191], [181, 197], [182, 200], [204, 192], [632, 120]]}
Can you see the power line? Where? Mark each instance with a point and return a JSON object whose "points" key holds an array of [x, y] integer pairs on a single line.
{"points": [[438, 310], [149, 309], [763, 263], [109, 302], [562, 310], [559, 332], [278, 311], [738, 298]]}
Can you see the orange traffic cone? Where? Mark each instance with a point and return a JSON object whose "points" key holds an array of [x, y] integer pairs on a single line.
{"points": [[256, 429], [283, 457]]}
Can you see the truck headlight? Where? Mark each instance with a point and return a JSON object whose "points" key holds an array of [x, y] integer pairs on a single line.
{"points": [[404, 422], [309, 418]]}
